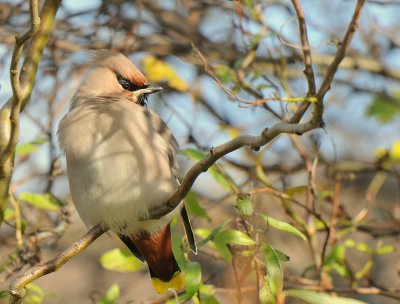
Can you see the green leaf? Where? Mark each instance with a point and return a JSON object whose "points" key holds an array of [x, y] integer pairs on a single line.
{"points": [[9, 214], [4, 293], [296, 190], [193, 154], [35, 294], [313, 297], [283, 226], [382, 109], [335, 260], [363, 247], [245, 204], [33, 299], [281, 256], [192, 278], [30, 147], [219, 177], [207, 290], [214, 170], [273, 284], [44, 201], [178, 252], [35, 288], [234, 237], [340, 268], [365, 270], [325, 195], [224, 73], [120, 259], [385, 249], [223, 251], [207, 236], [338, 252], [111, 296], [207, 293], [194, 207]]}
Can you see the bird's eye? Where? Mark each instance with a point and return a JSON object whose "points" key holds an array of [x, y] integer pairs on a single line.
{"points": [[126, 84]]}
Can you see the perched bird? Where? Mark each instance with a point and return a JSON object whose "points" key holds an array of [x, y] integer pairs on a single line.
{"points": [[121, 163]]}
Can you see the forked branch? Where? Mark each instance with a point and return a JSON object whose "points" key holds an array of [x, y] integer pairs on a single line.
{"points": [[18, 93], [17, 288]]}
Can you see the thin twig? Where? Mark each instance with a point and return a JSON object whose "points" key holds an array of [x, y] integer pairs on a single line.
{"points": [[341, 52], [18, 222], [308, 70], [335, 212], [360, 290], [333, 66]]}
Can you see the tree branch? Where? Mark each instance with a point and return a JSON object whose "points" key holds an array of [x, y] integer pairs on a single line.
{"points": [[332, 68], [308, 70], [216, 153], [15, 79], [17, 287], [22, 82], [268, 134]]}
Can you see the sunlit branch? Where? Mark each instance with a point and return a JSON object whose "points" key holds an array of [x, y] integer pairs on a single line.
{"points": [[341, 52], [17, 287], [308, 70], [15, 79], [22, 81]]}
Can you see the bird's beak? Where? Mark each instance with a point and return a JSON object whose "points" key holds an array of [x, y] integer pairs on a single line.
{"points": [[150, 89]]}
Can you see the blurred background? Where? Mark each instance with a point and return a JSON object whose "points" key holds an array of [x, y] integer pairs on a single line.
{"points": [[326, 204]]}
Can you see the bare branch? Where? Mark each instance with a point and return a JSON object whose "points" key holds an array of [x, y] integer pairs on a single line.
{"points": [[15, 79], [332, 68], [216, 153], [17, 287], [268, 134], [22, 83], [308, 70]]}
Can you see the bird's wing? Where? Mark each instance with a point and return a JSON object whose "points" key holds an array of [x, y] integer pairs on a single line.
{"points": [[189, 230], [129, 243], [162, 128]]}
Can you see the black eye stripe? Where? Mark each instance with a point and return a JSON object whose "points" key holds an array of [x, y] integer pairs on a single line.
{"points": [[127, 85]]}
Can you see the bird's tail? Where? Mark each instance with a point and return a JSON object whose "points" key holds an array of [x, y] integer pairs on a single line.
{"points": [[156, 249]]}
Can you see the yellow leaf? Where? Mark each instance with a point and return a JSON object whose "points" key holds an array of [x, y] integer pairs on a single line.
{"points": [[157, 70], [395, 151], [232, 131], [381, 153]]}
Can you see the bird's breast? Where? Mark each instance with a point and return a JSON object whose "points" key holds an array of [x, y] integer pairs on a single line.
{"points": [[118, 165]]}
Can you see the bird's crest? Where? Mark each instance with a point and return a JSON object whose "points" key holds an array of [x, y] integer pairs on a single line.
{"points": [[118, 63]]}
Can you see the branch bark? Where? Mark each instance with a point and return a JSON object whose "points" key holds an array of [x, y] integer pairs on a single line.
{"points": [[341, 52], [17, 287], [22, 81], [254, 142], [18, 93], [308, 69], [267, 135]]}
